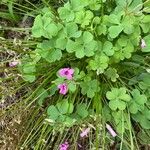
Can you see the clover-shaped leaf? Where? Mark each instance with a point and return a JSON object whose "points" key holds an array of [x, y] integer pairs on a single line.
{"points": [[122, 52], [111, 73], [84, 18], [143, 117], [53, 112], [137, 102], [66, 13], [94, 4], [69, 31], [114, 31], [108, 48], [118, 98], [83, 46], [65, 107], [60, 111], [48, 52], [79, 4], [89, 87], [100, 63], [45, 26]]}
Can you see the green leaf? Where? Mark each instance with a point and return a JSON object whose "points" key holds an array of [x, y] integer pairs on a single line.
{"points": [[114, 19], [37, 29], [94, 4], [72, 30], [61, 43], [137, 102], [108, 48], [87, 37], [47, 51], [118, 98], [84, 18], [29, 68], [65, 13], [143, 118], [81, 47], [64, 107], [79, 5], [82, 110], [29, 77], [100, 63], [114, 31], [53, 113], [101, 29], [111, 73], [50, 30], [72, 86], [90, 88]]}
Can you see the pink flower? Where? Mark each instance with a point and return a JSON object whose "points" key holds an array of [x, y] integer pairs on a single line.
{"points": [[13, 63], [64, 146], [111, 131], [143, 44], [66, 72], [63, 88], [85, 132]]}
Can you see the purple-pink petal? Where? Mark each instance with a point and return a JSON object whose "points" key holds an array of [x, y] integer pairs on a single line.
{"points": [[111, 131], [13, 63], [64, 146], [85, 132], [63, 88], [66, 72]]}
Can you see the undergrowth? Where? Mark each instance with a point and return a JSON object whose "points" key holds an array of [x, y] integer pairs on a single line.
{"points": [[83, 74]]}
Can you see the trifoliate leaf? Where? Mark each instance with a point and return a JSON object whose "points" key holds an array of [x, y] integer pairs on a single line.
{"points": [[66, 13], [89, 88], [137, 102], [87, 37], [61, 43], [108, 48], [100, 63], [114, 19], [114, 31], [84, 18], [83, 46], [37, 29], [118, 98], [79, 5], [101, 29], [111, 73], [65, 107], [53, 112], [94, 4], [48, 52], [72, 86], [143, 118], [29, 77]]}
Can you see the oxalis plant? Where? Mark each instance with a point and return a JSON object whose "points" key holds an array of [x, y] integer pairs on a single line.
{"points": [[90, 43]]}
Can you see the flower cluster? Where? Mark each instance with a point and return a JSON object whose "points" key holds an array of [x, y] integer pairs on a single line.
{"points": [[68, 74]]}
